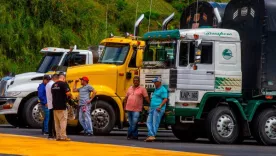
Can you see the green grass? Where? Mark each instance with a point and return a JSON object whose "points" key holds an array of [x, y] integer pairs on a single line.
{"points": [[26, 26]]}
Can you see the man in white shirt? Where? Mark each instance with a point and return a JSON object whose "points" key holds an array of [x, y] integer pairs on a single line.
{"points": [[51, 127]]}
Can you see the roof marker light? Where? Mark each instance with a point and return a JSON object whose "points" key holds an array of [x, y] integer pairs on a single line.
{"points": [[269, 97]]}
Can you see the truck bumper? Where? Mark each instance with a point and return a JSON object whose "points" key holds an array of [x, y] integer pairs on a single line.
{"points": [[9, 105]]}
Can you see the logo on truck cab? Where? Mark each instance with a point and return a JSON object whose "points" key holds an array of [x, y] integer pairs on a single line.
{"points": [[227, 54], [218, 33]]}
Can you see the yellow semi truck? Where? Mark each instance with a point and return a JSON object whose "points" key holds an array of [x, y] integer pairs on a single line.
{"points": [[111, 77]]}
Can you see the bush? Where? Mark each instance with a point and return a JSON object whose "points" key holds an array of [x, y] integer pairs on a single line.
{"points": [[153, 15], [121, 5]]}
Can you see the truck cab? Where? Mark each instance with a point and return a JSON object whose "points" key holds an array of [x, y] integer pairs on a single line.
{"points": [[198, 66], [18, 94], [110, 77], [119, 62]]}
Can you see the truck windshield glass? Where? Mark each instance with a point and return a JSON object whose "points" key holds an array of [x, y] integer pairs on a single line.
{"points": [[160, 54], [48, 61], [114, 53]]}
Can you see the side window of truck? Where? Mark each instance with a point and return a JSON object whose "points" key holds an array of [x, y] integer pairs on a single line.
{"points": [[183, 54], [75, 59], [79, 59], [206, 53], [132, 62]]}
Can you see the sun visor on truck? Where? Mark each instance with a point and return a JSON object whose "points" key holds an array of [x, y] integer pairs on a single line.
{"points": [[255, 20], [204, 15]]}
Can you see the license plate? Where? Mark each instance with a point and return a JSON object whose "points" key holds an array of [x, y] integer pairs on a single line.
{"points": [[189, 95]]}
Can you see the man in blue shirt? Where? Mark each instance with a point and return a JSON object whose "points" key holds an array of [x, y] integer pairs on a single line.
{"points": [[157, 108], [43, 101]]}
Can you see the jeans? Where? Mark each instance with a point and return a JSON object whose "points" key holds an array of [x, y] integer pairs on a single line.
{"points": [[85, 119], [46, 119], [153, 121], [51, 124], [133, 118]]}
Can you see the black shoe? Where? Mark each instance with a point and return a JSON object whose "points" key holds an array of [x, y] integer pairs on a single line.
{"points": [[128, 137], [89, 134], [134, 138], [45, 133]]}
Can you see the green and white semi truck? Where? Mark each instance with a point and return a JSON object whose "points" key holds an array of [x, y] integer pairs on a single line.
{"points": [[204, 76]]}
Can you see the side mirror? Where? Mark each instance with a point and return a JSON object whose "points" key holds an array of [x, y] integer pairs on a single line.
{"points": [[139, 58], [198, 49], [197, 55], [198, 43]]}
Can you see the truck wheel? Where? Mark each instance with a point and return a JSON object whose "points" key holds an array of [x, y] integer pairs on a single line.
{"points": [[33, 113], [265, 127], [103, 117], [221, 126], [185, 135], [14, 120]]}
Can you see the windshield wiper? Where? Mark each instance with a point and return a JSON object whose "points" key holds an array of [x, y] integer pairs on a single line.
{"points": [[107, 62]]}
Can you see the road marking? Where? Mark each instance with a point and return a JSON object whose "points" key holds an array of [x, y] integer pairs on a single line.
{"points": [[34, 146]]}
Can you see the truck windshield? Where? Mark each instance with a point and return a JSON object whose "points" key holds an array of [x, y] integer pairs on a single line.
{"points": [[160, 54], [114, 53], [48, 61]]}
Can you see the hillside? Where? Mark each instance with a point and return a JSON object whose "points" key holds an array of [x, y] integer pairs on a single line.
{"points": [[29, 25]]}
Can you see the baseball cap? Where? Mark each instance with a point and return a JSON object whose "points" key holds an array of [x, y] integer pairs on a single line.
{"points": [[157, 79], [84, 78], [46, 77]]}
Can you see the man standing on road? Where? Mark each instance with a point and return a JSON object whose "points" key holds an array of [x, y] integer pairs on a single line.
{"points": [[157, 108], [60, 92], [134, 103], [43, 101], [85, 104], [51, 123]]}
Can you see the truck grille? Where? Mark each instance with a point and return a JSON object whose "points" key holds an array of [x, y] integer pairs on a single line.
{"points": [[149, 78], [2, 87]]}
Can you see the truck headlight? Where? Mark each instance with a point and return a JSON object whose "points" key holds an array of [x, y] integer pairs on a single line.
{"points": [[12, 94]]}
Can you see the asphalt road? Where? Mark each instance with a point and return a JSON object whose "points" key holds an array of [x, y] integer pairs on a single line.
{"points": [[165, 140]]}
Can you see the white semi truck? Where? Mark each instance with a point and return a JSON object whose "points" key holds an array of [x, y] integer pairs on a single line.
{"points": [[18, 94], [207, 85]]}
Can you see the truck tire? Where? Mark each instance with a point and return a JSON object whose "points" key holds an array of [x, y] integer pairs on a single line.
{"points": [[221, 126], [265, 127], [14, 120], [188, 135], [32, 113], [103, 117]]}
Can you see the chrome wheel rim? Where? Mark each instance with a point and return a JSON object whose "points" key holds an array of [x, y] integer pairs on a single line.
{"points": [[100, 118], [37, 113], [225, 125], [270, 127]]}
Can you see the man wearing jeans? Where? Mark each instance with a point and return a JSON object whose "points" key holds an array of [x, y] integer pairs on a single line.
{"points": [[157, 108], [85, 104], [43, 101], [134, 104]]}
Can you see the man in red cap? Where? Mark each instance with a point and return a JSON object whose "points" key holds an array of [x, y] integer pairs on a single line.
{"points": [[85, 99]]}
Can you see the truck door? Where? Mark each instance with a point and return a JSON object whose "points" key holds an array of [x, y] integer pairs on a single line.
{"points": [[201, 79], [132, 70]]}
